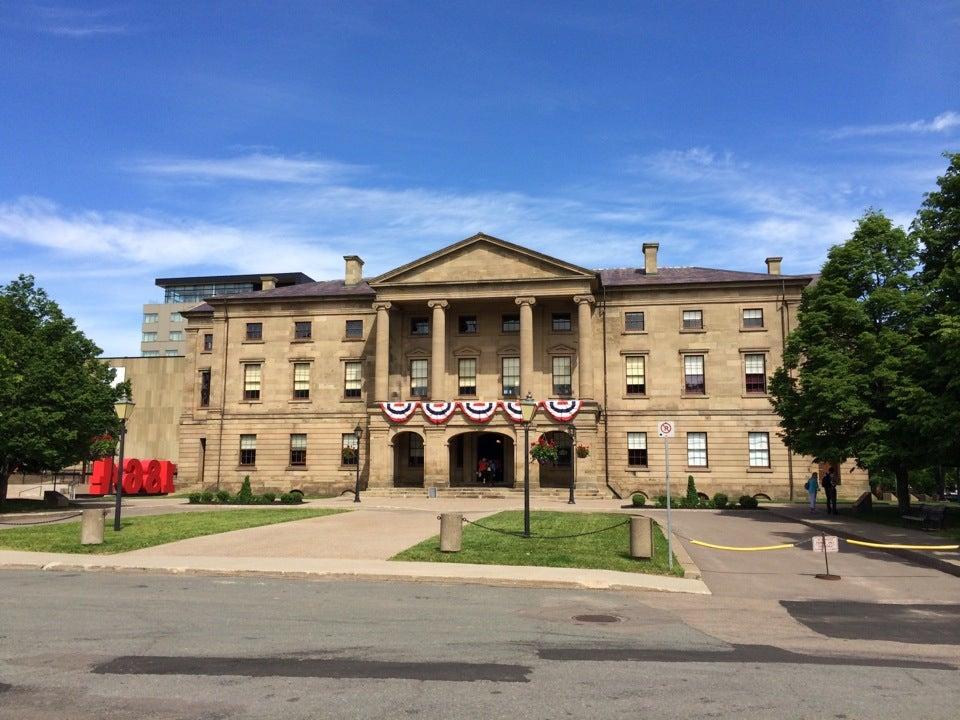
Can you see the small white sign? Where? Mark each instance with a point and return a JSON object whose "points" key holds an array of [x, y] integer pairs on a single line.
{"points": [[666, 429], [832, 543]]}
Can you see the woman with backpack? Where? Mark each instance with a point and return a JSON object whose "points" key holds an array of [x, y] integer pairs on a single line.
{"points": [[812, 486]]}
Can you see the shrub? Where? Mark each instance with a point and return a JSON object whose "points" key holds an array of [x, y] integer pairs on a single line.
{"points": [[748, 501], [720, 501], [661, 501], [692, 499], [223, 496], [291, 498], [639, 499], [269, 497], [206, 497], [245, 496], [194, 498]]}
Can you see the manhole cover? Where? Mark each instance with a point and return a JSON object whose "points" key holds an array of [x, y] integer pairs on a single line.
{"points": [[597, 618]]}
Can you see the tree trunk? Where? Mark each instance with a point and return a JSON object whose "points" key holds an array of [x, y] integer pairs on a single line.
{"points": [[941, 483], [4, 481], [903, 489]]}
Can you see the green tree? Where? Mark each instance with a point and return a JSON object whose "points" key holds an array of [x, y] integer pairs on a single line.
{"points": [[55, 395], [937, 230], [849, 386]]}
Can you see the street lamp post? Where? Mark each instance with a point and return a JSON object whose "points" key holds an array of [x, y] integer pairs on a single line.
{"points": [[528, 407], [124, 408], [357, 433], [573, 452]]}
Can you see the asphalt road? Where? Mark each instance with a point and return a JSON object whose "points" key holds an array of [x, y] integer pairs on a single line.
{"points": [[97, 645]]}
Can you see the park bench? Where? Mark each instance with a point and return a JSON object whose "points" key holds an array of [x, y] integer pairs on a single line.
{"points": [[929, 517]]}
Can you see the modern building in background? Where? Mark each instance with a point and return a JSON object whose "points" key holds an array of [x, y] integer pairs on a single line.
{"points": [[277, 381], [163, 325]]}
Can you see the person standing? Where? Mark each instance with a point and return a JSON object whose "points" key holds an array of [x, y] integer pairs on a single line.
{"points": [[830, 490], [812, 487]]}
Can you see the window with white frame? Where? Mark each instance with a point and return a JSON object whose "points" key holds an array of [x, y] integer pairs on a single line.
{"points": [[176, 335], [251, 381], [510, 374], [694, 382], [352, 378], [149, 337], [693, 319], [176, 317], [301, 381], [753, 318], [759, 448], [755, 372], [150, 318], [171, 353], [418, 377], [150, 353], [349, 449], [637, 449], [467, 376], [562, 377], [561, 322], [636, 374], [697, 449]]}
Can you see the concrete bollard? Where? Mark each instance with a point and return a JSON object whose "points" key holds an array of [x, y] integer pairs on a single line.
{"points": [[91, 527], [641, 537], [451, 532]]}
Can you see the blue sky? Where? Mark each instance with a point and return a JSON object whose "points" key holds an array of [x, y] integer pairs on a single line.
{"points": [[141, 140]]}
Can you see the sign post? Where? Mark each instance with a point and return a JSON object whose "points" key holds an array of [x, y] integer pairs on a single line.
{"points": [[826, 544], [668, 429]]}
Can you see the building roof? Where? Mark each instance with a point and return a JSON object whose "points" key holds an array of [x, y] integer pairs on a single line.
{"points": [[288, 277], [627, 277], [313, 289]]}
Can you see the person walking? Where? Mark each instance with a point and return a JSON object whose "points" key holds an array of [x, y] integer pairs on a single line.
{"points": [[830, 490], [812, 487]]}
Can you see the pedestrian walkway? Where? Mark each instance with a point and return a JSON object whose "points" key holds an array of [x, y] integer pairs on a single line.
{"points": [[852, 528]]}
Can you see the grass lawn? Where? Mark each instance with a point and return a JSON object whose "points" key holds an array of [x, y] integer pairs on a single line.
{"points": [[147, 531], [608, 550], [890, 515]]}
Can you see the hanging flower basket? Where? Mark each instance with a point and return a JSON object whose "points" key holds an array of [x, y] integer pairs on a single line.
{"points": [[544, 451], [583, 451]]}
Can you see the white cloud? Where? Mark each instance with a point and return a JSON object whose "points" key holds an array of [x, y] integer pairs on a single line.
{"points": [[254, 167], [941, 123], [78, 22]]}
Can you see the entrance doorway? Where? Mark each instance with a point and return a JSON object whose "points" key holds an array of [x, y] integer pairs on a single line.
{"points": [[408, 460], [481, 459]]}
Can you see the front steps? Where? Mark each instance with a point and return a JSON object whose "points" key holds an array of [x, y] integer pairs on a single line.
{"points": [[499, 493]]}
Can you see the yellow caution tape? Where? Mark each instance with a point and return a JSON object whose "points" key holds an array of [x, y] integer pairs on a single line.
{"points": [[904, 547], [742, 549]]}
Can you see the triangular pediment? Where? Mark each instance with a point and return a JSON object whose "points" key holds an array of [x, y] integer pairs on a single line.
{"points": [[481, 258]]}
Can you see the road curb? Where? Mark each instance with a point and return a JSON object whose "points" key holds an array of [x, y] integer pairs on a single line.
{"points": [[918, 557]]}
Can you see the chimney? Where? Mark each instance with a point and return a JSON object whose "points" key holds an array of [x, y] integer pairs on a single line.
{"points": [[773, 265], [268, 282], [650, 258], [354, 270]]}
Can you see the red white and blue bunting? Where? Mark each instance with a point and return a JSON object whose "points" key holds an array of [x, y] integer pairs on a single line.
{"points": [[438, 412], [513, 410], [399, 412], [479, 412], [562, 410]]}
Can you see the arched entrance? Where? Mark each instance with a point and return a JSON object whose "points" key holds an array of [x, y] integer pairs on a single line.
{"points": [[561, 474], [408, 460], [481, 459]]}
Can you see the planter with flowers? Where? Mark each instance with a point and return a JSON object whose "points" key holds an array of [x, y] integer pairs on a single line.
{"points": [[583, 451], [544, 451]]}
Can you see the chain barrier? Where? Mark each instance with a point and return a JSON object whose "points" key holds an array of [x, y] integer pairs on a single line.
{"points": [[786, 546], [546, 537], [42, 522]]}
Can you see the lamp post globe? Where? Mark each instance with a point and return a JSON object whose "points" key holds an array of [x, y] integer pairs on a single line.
{"points": [[357, 433], [528, 407], [124, 409]]}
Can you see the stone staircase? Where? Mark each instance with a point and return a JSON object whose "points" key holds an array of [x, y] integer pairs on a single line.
{"points": [[498, 493]]}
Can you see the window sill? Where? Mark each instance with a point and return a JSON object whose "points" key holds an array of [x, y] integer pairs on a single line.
{"points": [[753, 329], [350, 468], [206, 352], [756, 395], [246, 468], [694, 396], [561, 332], [352, 399], [296, 468], [635, 469], [413, 336], [301, 340], [251, 342], [687, 331], [759, 469], [353, 339], [251, 402], [698, 468], [299, 401], [634, 332], [635, 396]]}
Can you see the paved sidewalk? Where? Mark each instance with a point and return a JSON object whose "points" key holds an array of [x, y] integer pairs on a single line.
{"points": [[849, 527]]}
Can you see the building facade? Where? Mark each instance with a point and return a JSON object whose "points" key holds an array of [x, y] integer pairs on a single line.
{"points": [[163, 331], [152, 432], [286, 385]]}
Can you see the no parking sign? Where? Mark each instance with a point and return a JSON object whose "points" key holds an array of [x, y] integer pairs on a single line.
{"points": [[667, 428]]}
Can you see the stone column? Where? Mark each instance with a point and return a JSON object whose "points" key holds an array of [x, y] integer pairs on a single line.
{"points": [[585, 344], [436, 457], [382, 378], [438, 350], [380, 457], [526, 344]]}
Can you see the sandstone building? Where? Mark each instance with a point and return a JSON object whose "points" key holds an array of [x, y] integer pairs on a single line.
{"points": [[278, 380]]}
